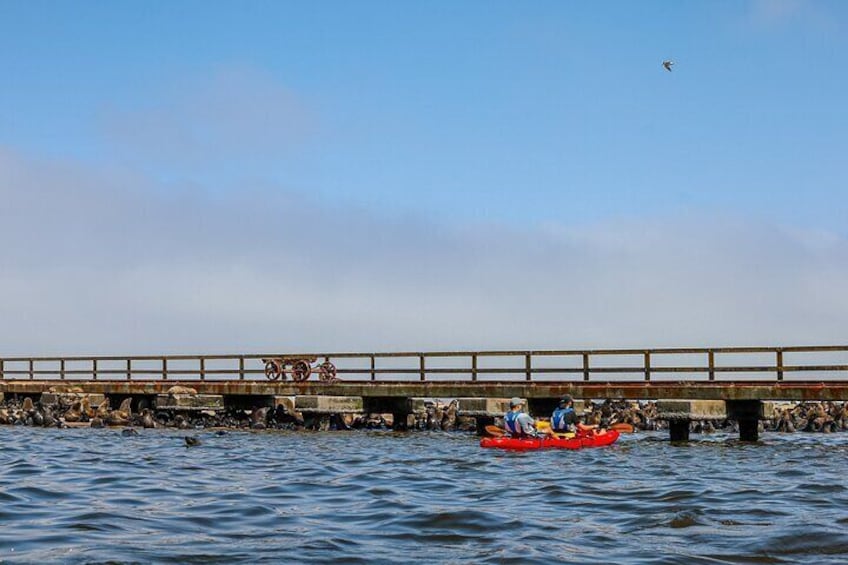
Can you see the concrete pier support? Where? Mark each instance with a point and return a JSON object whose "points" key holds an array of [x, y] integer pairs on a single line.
{"points": [[316, 404], [482, 422], [748, 414], [680, 413], [398, 406], [189, 402], [749, 429], [483, 410], [67, 399], [485, 407], [679, 429]]}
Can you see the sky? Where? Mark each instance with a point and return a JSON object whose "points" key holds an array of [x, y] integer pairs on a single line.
{"points": [[193, 177]]}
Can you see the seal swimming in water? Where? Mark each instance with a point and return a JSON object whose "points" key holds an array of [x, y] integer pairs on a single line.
{"points": [[191, 441], [129, 432]]}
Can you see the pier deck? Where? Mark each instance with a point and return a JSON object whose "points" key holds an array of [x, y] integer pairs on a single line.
{"points": [[743, 377]]}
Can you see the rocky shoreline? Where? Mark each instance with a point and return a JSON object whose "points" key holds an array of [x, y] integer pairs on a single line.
{"points": [[76, 409]]}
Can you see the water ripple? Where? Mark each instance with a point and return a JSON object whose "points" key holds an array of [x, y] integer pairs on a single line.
{"points": [[94, 496]]}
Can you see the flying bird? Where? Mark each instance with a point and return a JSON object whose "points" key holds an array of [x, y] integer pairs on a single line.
{"points": [[667, 65]]}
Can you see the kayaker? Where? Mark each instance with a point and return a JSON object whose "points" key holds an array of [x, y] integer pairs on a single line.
{"points": [[564, 418], [517, 422]]}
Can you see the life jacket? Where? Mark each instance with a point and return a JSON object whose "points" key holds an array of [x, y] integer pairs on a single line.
{"points": [[558, 420], [511, 423]]}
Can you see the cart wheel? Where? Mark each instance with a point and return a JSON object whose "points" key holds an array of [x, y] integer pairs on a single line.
{"points": [[272, 370], [327, 372], [301, 370]]}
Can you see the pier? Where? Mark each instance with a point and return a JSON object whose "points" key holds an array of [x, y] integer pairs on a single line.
{"points": [[689, 384]]}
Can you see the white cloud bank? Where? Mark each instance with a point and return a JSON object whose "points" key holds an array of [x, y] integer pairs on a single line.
{"points": [[103, 262]]}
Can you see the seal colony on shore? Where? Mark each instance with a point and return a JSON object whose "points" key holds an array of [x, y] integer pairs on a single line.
{"points": [[71, 407]]}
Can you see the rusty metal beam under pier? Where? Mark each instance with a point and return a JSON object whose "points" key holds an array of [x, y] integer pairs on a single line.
{"points": [[712, 390]]}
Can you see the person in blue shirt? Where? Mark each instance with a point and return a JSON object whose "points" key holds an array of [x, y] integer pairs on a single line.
{"points": [[517, 422], [564, 418]]}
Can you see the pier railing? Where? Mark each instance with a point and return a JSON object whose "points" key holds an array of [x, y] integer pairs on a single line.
{"points": [[828, 362]]}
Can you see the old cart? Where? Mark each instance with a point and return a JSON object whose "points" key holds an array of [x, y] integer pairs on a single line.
{"points": [[300, 368]]}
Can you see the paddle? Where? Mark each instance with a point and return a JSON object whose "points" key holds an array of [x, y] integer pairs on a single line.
{"points": [[623, 427], [495, 431]]}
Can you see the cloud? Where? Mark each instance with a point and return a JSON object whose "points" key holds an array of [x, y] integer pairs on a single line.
{"points": [[780, 13], [234, 113], [107, 262]]}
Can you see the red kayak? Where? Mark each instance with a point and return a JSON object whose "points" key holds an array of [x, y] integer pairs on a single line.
{"points": [[590, 439]]}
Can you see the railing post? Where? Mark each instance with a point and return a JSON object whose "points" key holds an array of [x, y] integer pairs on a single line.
{"points": [[373, 368], [780, 364], [129, 369], [647, 365], [421, 367], [711, 362], [31, 369], [585, 366], [61, 369], [202, 369], [527, 367], [473, 366], [94, 369], [2, 375], [241, 368], [164, 368]]}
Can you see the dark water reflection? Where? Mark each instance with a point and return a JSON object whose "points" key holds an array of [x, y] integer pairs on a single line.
{"points": [[85, 496]]}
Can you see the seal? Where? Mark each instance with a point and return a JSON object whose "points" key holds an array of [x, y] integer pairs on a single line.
{"points": [[74, 414], [258, 418], [49, 419], [177, 389], [122, 416], [85, 404], [147, 420], [103, 409], [449, 419]]}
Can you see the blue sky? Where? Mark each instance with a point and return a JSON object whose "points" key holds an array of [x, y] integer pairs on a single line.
{"points": [[484, 110], [490, 127]]}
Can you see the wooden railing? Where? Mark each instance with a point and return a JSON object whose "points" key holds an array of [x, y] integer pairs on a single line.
{"points": [[709, 364]]}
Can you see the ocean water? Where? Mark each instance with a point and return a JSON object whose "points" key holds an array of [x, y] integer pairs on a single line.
{"points": [[95, 496]]}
